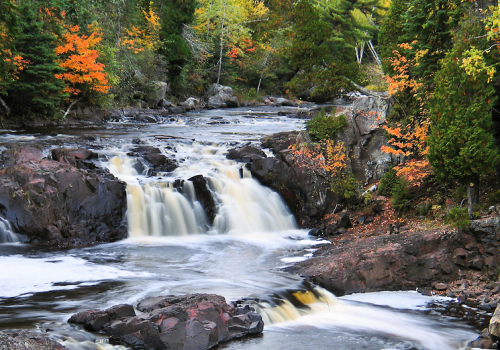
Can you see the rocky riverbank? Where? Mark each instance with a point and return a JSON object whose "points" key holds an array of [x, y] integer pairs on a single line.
{"points": [[63, 199]]}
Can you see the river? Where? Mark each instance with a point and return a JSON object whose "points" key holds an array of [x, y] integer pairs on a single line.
{"points": [[172, 249]]}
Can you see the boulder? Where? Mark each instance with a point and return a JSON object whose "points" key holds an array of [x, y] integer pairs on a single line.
{"points": [[153, 160], [63, 201], [191, 103], [177, 110], [246, 154], [160, 88], [494, 327], [220, 96], [192, 321], [306, 192], [204, 196]]}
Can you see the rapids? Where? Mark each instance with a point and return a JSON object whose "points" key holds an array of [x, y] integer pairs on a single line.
{"points": [[173, 248]]}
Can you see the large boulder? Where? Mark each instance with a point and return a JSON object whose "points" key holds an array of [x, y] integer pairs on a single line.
{"points": [[193, 321], [220, 96], [160, 88], [363, 137], [64, 200]]}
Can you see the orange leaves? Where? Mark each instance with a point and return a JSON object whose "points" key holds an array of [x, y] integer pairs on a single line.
{"points": [[328, 158], [410, 141], [78, 57], [401, 80]]}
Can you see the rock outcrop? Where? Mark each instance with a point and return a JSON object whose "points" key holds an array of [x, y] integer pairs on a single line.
{"points": [[64, 200], [306, 192], [193, 321], [405, 261]]}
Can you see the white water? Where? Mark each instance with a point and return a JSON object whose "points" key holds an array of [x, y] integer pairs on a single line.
{"points": [[325, 311], [6, 233], [243, 206], [173, 250]]}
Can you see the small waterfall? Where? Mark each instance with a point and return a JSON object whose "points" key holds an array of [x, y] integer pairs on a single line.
{"points": [[242, 205], [6, 234], [316, 307]]}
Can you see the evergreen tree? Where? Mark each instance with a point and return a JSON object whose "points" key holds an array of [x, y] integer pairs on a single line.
{"points": [[428, 27], [461, 146], [176, 14], [36, 90]]}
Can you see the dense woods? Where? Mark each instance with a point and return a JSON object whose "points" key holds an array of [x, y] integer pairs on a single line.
{"points": [[436, 58]]}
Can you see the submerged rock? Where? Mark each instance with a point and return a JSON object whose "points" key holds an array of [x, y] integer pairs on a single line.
{"points": [[64, 200], [192, 321]]}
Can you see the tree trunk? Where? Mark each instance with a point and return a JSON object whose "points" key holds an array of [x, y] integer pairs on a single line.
{"points": [[7, 110], [221, 44], [470, 197]]}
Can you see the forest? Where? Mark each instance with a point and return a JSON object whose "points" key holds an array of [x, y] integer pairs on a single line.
{"points": [[437, 59]]}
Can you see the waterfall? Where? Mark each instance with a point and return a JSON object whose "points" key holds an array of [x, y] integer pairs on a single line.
{"points": [[315, 306], [242, 204], [6, 234]]}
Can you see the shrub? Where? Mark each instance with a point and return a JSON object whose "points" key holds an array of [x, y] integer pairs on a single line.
{"points": [[387, 183], [324, 127], [457, 217], [401, 195]]}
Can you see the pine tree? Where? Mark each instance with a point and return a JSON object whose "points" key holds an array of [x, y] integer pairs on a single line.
{"points": [[176, 14], [37, 90], [461, 146]]}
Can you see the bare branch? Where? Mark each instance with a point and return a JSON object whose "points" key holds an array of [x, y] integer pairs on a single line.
{"points": [[69, 108]]}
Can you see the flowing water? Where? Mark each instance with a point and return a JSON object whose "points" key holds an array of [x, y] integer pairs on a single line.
{"points": [[173, 248]]}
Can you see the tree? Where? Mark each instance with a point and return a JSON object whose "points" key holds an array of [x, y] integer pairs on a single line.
{"points": [[461, 146], [176, 14], [225, 25], [36, 89], [79, 58]]}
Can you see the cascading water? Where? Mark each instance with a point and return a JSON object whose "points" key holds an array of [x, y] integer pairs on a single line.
{"points": [[6, 234], [177, 246], [243, 206]]}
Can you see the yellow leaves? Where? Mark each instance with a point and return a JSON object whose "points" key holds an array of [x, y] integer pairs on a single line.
{"points": [[137, 40], [473, 63]]}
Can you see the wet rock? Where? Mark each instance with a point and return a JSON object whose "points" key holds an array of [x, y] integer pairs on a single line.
{"points": [[27, 341], [440, 286], [69, 201], [484, 341], [155, 160], [246, 154], [193, 321], [145, 119], [204, 196], [177, 110]]}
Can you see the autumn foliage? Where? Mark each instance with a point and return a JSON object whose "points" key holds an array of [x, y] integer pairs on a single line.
{"points": [[79, 58]]}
